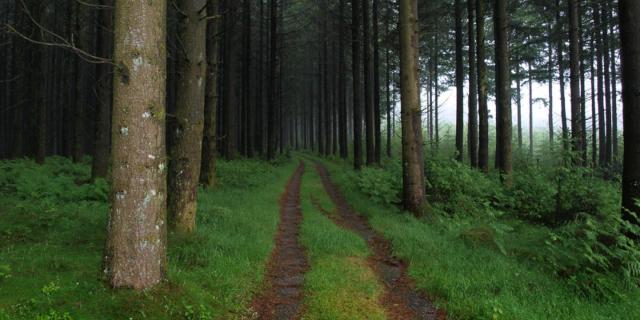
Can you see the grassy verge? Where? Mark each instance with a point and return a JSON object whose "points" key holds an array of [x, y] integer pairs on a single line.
{"points": [[478, 281], [340, 284], [52, 233]]}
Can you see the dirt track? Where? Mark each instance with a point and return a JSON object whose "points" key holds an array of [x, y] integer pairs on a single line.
{"points": [[283, 295], [400, 299]]}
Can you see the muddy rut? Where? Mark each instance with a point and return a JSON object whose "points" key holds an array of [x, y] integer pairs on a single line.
{"points": [[283, 294], [400, 298]]}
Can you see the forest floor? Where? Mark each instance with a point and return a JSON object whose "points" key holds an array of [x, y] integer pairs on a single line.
{"points": [[273, 240]]}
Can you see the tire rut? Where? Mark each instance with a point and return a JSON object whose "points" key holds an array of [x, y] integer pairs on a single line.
{"points": [[400, 299], [283, 294]]}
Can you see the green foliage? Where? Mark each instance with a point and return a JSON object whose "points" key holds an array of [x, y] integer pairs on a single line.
{"points": [[596, 256], [5, 272], [58, 180], [243, 173], [382, 185]]}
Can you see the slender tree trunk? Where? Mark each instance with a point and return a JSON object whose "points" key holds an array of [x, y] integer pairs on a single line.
{"points": [[100, 165], [503, 96], [629, 11], [388, 100], [530, 73], [602, 157], [136, 238], [483, 88], [473, 105], [209, 139], [82, 80], [368, 83], [357, 87], [594, 126], [459, 83], [342, 85], [186, 151], [246, 79], [519, 104], [412, 154], [273, 67], [574, 65], [560, 52], [607, 84], [376, 82], [614, 90], [550, 83]]}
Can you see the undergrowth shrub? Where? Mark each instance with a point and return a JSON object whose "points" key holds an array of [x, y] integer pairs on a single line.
{"points": [[382, 185], [57, 180], [243, 173], [596, 256]]}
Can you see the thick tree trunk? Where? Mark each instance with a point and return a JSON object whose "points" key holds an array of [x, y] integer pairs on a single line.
{"points": [[473, 92], [101, 154], [483, 88], [412, 154], [209, 139], [574, 66], [629, 11], [186, 151], [136, 239], [503, 95], [459, 83], [357, 87]]}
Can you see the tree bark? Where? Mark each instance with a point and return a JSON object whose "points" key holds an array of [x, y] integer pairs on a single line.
{"points": [[186, 151], [342, 86], [503, 95], [574, 66], [357, 87], [101, 154], [483, 88], [376, 82], [368, 83], [136, 238], [273, 67], [412, 154], [629, 11], [473, 92], [209, 140], [459, 83], [563, 104], [602, 157]]}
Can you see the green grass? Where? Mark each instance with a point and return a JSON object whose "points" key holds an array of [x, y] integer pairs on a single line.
{"points": [[340, 284], [477, 281], [51, 243]]}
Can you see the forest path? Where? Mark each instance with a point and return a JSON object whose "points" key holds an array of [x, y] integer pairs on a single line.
{"points": [[284, 281], [400, 298]]}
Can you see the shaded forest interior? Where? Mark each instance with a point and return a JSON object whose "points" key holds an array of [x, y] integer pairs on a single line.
{"points": [[168, 115]]}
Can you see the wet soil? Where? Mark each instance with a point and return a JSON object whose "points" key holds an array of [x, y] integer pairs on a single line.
{"points": [[401, 300], [283, 294]]}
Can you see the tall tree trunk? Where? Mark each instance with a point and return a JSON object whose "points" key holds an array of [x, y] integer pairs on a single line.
{"points": [[503, 96], [376, 81], [100, 164], [473, 105], [39, 87], [83, 75], [357, 87], [246, 79], [519, 104], [483, 88], [459, 83], [550, 83], [342, 86], [412, 154], [594, 126], [574, 66], [209, 138], [186, 151], [614, 90], [368, 83], [273, 68], [629, 11], [560, 52], [607, 83], [602, 157], [530, 109], [136, 238]]}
